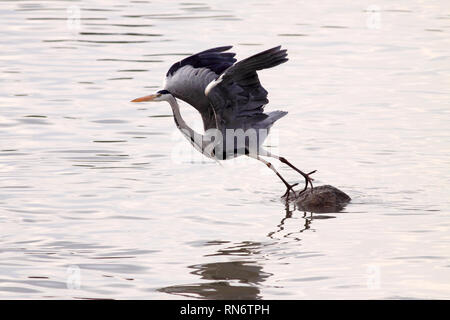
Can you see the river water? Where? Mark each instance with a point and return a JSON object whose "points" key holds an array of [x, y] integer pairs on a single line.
{"points": [[103, 198]]}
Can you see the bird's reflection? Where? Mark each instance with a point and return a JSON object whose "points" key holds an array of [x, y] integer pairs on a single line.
{"points": [[308, 218], [241, 278], [228, 280]]}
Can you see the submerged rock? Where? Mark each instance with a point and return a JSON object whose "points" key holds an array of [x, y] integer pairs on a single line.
{"points": [[321, 199]]}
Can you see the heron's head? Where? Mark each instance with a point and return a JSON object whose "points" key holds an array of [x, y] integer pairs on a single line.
{"points": [[161, 95]]}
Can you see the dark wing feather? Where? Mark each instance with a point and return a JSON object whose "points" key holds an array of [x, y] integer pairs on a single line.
{"points": [[237, 95], [188, 78], [214, 59]]}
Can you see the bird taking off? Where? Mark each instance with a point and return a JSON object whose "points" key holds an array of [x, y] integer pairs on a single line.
{"points": [[231, 101]]}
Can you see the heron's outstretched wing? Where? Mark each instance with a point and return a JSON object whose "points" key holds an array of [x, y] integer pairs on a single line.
{"points": [[237, 96], [188, 78]]}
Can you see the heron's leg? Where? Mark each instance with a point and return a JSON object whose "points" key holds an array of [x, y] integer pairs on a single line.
{"points": [[308, 179], [270, 166]]}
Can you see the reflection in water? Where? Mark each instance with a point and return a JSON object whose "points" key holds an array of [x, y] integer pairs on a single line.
{"points": [[239, 279], [308, 218], [230, 280]]}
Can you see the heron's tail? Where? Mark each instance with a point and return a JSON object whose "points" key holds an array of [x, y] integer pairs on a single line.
{"points": [[275, 115]]}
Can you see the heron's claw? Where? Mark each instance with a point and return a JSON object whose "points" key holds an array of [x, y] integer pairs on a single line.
{"points": [[308, 180], [288, 191]]}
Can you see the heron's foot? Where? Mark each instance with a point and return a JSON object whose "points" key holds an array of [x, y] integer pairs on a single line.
{"points": [[308, 180], [289, 187]]}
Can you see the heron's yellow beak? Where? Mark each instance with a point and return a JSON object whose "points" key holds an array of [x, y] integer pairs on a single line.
{"points": [[145, 98]]}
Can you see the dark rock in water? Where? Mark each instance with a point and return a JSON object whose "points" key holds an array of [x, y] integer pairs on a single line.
{"points": [[321, 199]]}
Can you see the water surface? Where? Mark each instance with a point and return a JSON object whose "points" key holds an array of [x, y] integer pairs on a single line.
{"points": [[102, 198]]}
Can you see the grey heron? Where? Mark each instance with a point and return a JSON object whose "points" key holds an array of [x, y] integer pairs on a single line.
{"points": [[230, 99]]}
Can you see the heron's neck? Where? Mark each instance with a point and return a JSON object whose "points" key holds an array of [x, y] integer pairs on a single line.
{"points": [[187, 131]]}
